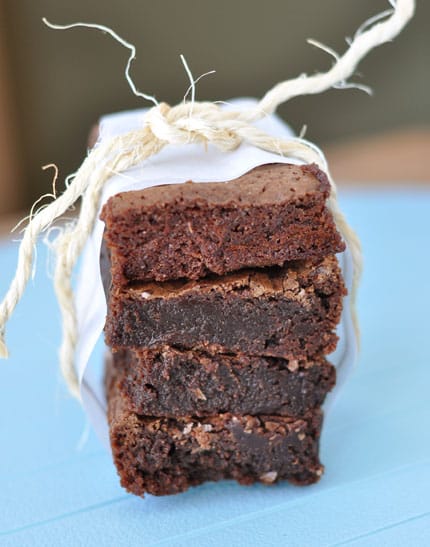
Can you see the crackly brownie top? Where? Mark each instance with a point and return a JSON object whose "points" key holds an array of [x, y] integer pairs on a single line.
{"points": [[264, 185], [294, 281]]}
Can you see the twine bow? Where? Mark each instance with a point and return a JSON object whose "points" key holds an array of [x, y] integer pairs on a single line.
{"points": [[188, 122]]}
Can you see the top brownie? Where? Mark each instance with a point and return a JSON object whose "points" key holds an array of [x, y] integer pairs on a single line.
{"points": [[268, 216]]}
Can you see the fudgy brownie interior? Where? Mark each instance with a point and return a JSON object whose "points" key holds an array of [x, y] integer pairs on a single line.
{"points": [[160, 455], [288, 312], [223, 299], [170, 382], [272, 214]]}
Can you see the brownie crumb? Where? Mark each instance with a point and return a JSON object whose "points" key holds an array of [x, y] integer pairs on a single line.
{"points": [[273, 214]]}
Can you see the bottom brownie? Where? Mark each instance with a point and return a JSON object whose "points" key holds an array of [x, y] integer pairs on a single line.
{"points": [[168, 455]]}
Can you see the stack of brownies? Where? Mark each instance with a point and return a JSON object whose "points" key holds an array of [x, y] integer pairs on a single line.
{"points": [[223, 300]]}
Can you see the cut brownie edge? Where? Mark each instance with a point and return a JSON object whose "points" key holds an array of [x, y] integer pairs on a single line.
{"points": [[172, 383], [280, 312], [272, 214], [168, 455]]}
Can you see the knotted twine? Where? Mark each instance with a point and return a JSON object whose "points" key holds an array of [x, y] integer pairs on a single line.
{"points": [[186, 123]]}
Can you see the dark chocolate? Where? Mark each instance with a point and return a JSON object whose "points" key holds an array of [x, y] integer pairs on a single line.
{"points": [[286, 312], [168, 455], [171, 383]]}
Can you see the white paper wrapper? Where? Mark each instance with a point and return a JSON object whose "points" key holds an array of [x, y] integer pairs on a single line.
{"points": [[175, 164]]}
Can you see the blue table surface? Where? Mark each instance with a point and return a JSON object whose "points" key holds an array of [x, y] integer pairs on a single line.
{"points": [[59, 487]]}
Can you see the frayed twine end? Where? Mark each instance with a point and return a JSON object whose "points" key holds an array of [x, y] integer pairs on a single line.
{"points": [[4, 352]]}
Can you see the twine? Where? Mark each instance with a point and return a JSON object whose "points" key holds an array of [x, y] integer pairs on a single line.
{"points": [[188, 122]]}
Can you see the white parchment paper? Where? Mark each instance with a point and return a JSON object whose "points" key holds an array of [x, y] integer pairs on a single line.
{"points": [[174, 165]]}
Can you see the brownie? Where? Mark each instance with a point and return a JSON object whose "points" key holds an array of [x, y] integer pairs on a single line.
{"points": [[272, 214], [171, 383], [288, 312], [159, 455]]}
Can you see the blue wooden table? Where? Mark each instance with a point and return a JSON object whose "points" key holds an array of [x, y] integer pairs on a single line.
{"points": [[59, 487]]}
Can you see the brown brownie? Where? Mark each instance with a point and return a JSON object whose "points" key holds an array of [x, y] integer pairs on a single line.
{"points": [[171, 383], [288, 312], [168, 455], [272, 214]]}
